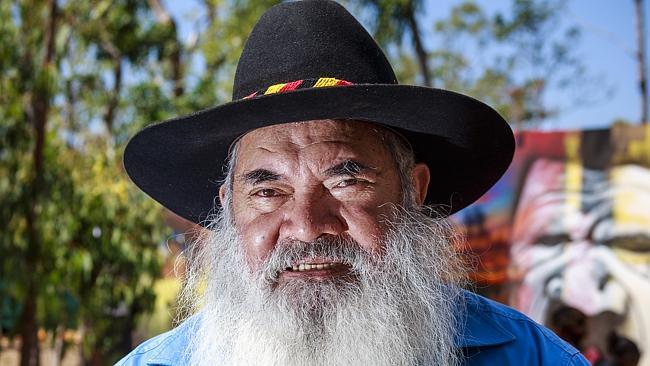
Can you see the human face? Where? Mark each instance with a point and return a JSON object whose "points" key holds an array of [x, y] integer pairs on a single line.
{"points": [[301, 181], [265, 319]]}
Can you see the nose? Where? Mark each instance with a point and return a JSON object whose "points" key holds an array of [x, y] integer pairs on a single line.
{"points": [[311, 215]]}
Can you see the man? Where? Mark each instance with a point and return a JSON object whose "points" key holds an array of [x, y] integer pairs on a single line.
{"points": [[327, 245]]}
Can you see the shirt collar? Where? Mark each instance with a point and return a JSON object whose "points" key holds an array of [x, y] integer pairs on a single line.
{"points": [[480, 328], [172, 349]]}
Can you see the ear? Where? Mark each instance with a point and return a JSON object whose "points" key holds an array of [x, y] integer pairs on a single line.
{"points": [[222, 192], [420, 177]]}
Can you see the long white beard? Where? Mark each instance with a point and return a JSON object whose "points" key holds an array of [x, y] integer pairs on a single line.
{"points": [[400, 308]]}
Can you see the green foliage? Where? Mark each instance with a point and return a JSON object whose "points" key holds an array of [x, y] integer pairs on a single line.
{"points": [[388, 20], [511, 60], [530, 54], [76, 231], [77, 237]]}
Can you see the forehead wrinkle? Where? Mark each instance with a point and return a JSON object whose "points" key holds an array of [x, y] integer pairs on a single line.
{"points": [[303, 133], [292, 143]]}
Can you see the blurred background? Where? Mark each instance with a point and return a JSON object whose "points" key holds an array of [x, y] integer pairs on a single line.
{"points": [[88, 264]]}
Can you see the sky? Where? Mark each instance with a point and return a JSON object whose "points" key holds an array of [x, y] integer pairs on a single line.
{"points": [[607, 47]]}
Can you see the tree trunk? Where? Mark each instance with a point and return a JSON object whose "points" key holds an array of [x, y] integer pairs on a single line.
{"points": [[163, 17], [643, 83], [421, 53], [40, 107], [59, 349], [114, 101], [29, 351]]}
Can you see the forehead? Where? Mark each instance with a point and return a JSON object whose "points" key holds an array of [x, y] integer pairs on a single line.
{"points": [[325, 138]]}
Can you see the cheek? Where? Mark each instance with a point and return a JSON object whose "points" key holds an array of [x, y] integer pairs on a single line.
{"points": [[366, 222], [366, 227], [258, 238]]}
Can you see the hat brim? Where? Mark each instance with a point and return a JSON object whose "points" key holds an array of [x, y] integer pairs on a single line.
{"points": [[466, 144]]}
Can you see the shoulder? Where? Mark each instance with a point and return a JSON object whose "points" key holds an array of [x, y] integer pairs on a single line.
{"points": [[164, 349], [494, 331]]}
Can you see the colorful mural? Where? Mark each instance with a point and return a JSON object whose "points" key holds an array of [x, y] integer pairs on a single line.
{"points": [[569, 226]]}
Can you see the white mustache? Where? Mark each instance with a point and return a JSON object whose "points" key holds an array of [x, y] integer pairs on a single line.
{"points": [[339, 249]]}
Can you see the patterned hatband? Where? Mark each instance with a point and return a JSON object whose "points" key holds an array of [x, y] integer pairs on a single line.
{"points": [[299, 84]]}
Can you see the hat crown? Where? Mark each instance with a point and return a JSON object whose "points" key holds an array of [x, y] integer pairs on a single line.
{"points": [[309, 39]]}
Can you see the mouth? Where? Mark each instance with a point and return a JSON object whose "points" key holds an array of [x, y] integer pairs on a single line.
{"points": [[304, 267], [316, 269]]}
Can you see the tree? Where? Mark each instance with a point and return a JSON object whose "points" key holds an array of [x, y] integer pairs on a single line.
{"points": [[392, 20], [524, 53], [34, 79], [84, 239], [69, 227]]}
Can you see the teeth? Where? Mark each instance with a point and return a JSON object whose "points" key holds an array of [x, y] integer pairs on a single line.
{"points": [[308, 267]]}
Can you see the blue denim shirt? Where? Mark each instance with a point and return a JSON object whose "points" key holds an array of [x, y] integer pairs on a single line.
{"points": [[494, 335]]}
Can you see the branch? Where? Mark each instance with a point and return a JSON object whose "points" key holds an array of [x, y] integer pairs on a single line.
{"points": [[640, 56], [109, 115], [163, 17], [211, 10], [108, 46], [419, 45]]}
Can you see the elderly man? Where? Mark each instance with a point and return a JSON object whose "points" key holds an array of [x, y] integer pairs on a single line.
{"points": [[326, 241]]}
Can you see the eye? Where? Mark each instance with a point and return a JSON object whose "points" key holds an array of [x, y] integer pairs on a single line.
{"points": [[266, 193], [346, 183]]}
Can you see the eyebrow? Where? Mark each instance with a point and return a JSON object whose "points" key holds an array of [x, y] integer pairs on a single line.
{"points": [[258, 176], [349, 167]]}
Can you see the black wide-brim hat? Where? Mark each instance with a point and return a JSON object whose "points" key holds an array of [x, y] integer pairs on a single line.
{"points": [[311, 60]]}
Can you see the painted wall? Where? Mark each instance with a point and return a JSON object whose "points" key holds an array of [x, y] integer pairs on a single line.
{"points": [[569, 224]]}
